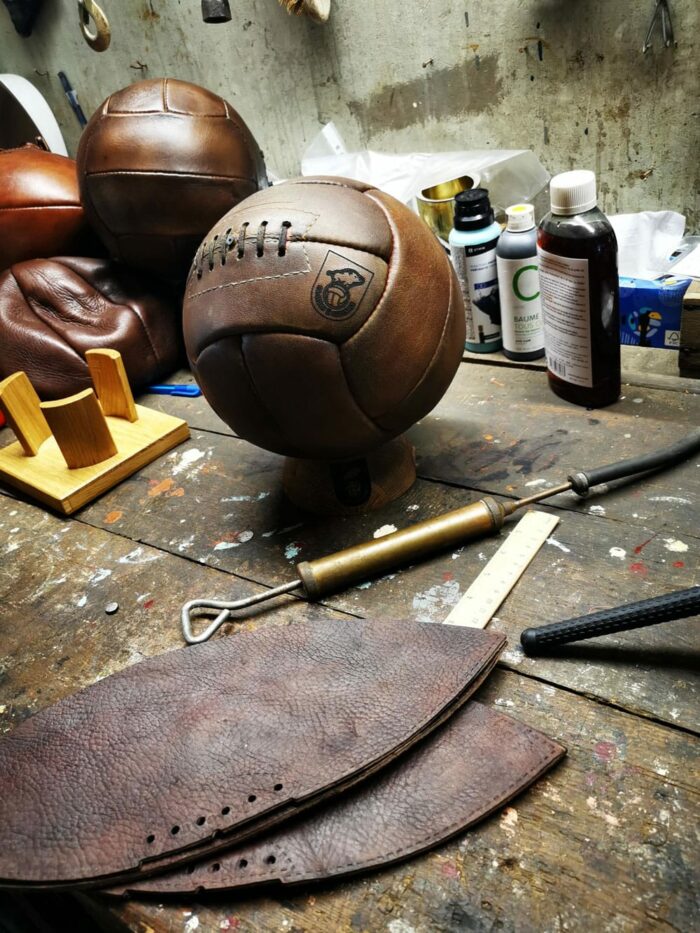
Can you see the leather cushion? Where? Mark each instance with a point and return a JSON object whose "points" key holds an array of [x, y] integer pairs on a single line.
{"points": [[462, 772], [181, 754], [40, 210], [53, 310], [322, 318]]}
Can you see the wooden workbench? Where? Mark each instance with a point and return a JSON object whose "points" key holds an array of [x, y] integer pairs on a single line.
{"points": [[607, 840]]}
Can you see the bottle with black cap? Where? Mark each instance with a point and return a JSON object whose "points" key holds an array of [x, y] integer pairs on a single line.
{"points": [[473, 242]]}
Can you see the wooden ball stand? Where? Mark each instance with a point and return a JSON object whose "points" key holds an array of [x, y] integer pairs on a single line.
{"points": [[349, 487], [72, 450]]}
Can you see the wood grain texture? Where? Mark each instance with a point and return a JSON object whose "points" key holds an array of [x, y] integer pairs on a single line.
{"points": [[111, 383], [21, 406], [49, 479], [606, 841], [237, 520]]}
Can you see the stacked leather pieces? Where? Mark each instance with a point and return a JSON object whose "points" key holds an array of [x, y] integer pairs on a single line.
{"points": [[193, 751], [454, 778]]}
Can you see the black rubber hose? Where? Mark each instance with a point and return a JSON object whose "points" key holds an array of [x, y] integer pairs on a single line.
{"points": [[678, 605], [657, 460]]}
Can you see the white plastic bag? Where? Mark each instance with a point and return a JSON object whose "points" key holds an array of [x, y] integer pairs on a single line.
{"points": [[511, 175]]}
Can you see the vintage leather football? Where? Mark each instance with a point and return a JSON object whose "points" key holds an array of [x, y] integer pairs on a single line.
{"points": [[159, 162], [322, 318], [53, 310], [187, 752], [40, 211], [461, 773]]}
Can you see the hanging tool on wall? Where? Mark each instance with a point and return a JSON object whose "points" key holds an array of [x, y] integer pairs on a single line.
{"points": [[318, 578], [219, 11], [316, 9], [663, 13], [99, 39], [216, 11], [678, 605]]}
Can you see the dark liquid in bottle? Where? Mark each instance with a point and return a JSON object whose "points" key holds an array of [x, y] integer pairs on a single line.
{"points": [[590, 236]]}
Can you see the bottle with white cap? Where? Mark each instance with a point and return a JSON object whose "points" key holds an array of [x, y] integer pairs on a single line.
{"points": [[519, 285], [580, 293]]}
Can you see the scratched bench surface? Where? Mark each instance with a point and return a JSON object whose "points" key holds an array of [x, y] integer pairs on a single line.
{"points": [[606, 840]]}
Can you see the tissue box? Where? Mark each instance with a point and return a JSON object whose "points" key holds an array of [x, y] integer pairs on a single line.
{"points": [[689, 356], [650, 311]]}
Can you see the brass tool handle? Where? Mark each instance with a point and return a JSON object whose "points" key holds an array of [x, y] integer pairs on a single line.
{"points": [[336, 571]]}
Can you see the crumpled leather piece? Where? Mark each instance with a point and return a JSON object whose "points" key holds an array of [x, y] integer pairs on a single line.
{"points": [[53, 310], [185, 753], [458, 775]]}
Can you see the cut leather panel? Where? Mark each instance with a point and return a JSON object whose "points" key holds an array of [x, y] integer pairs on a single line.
{"points": [[244, 731], [474, 764]]}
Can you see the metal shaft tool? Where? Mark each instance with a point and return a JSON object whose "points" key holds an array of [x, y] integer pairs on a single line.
{"points": [[325, 575]]}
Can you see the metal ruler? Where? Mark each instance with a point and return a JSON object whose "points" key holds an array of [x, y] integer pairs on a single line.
{"points": [[503, 571]]}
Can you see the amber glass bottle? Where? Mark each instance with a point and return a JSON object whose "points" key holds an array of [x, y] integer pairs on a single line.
{"points": [[580, 294]]}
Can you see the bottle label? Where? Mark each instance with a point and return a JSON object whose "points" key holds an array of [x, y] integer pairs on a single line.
{"points": [[476, 270], [521, 308], [567, 317]]}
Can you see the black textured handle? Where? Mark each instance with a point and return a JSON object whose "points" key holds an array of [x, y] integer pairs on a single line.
{"points": [[676, 605], [656, 460]]}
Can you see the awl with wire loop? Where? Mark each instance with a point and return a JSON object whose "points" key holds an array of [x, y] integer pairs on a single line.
{"points": [[318, 578]]}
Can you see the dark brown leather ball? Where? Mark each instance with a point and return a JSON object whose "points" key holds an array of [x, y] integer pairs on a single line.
{"points": [[40, 210], [322, 318], [53, 310], [158, 164]]}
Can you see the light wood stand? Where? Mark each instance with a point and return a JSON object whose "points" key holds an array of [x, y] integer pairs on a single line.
{"points": [[348, 487], [72, 450]]}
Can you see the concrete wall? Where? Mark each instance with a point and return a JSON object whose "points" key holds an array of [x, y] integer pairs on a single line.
{"points": [[563, 77]]}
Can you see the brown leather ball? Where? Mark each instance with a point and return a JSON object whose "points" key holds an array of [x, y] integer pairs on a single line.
{"points": [[53, 310], [322, 318], [158, 163], [40, 210]]}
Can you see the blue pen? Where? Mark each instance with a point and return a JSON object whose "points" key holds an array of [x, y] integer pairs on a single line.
{"points": [[189, 391], [72, 98]]}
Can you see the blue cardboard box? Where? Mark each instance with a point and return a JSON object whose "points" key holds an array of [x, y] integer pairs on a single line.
{"points": [[650, 311]]}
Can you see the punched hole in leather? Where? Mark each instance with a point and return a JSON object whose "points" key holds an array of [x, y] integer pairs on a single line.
{"points": [[458, 775]]}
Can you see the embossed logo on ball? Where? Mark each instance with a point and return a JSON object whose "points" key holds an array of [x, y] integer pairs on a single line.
{"points": [[340, 286]]}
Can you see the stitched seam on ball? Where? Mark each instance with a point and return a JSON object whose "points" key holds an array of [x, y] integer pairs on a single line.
{"points": [[170, 174], [256, 391], [164, 92], [43, 207], [352, 396], [438, 348], [381, 298], [257, 278]]}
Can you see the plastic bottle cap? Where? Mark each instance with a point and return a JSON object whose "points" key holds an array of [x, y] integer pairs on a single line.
{"points": [[473, 209], [572, 192], [520, 217]]}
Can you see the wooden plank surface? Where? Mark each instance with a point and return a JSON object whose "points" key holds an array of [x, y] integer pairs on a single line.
{"points": [[606, 841]]}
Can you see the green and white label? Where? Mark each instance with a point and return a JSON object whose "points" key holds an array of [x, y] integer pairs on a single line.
{"points": [[521, 308]]}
